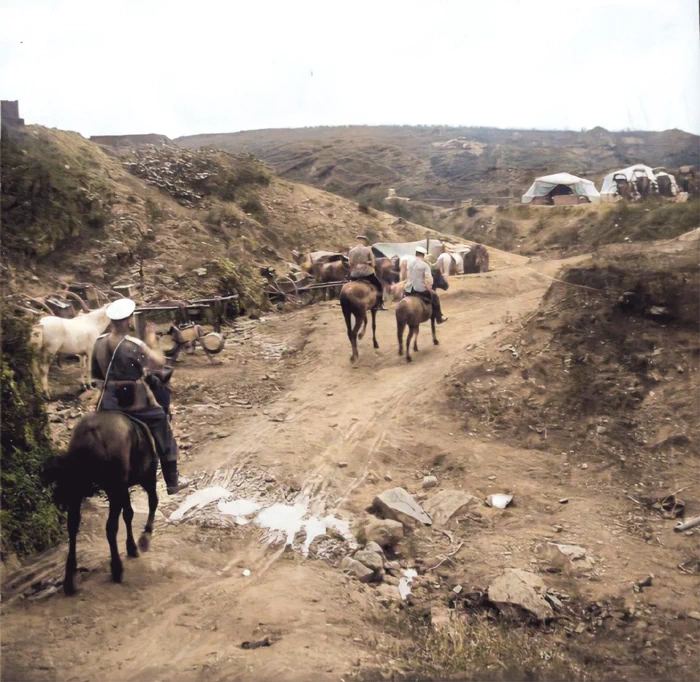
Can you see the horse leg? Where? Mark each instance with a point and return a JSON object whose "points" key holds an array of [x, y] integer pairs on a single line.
{"points": [[374, 328], [364, 328], [415, 340], [45, 365], [353, 338], [150, 488], [432, 328], [116, 500], [400, 327], [128, 514], [71, 562], [411, 332]]}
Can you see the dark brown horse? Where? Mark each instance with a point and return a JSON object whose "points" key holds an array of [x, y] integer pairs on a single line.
{"points": [[356, 298], [477, 260], [110, 452], [411, 311]]}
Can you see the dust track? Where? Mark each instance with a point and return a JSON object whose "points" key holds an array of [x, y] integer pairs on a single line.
{"points": [[185, 607]]}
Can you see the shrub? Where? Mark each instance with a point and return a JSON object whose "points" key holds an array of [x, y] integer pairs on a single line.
{"points": [[30, 521], [472, 211], [251, 204]]}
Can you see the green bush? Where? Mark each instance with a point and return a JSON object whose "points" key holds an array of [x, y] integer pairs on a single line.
{"points": [[29, 520]]}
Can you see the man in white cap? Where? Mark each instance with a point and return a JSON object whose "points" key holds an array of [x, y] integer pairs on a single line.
{"points": [[419, 282], [361, 262], [121, 363]]}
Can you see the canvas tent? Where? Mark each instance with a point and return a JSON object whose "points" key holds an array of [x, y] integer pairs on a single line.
{"points": [[626, 182], [561, 188], [391, 249]]}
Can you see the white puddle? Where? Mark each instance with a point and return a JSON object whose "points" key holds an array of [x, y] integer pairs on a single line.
{"points": [[279, 519], [405, 583], [200, 498]]}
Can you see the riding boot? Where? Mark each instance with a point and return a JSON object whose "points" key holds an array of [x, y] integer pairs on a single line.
{"points": [[173, 481], [437, 310]]}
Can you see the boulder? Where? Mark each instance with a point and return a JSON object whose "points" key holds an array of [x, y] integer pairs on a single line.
{"points": [[386, 532], [399, 505], [372, 546], [373, 560], [429, 482], [356, 569], [447, 503], [517, 592]]}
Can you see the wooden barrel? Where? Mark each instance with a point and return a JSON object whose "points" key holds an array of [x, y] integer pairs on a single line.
{"points": [[213, 342]]}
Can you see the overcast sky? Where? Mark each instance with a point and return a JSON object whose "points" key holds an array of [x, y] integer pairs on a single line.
{"points": [[196, 66]]}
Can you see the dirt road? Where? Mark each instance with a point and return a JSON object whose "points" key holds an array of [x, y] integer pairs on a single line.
{"points": [[185, 607]]}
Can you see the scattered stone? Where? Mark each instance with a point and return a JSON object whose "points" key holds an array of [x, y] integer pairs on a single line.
{"points": [[457, 589], [554, 600], [448, 503], [499, 500], [429, 482], [386, 532], [641, 584], [373, 560], [581, 627], [398, 505], [356, 569], [387, 477], [492, 478], [584, 466], [388, 592], [517, 591], [695, 615], [564, 500], [372, 546], [342, 465]]}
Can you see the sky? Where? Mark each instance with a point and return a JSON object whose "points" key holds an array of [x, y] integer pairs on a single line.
{"points": [[202, 66]]}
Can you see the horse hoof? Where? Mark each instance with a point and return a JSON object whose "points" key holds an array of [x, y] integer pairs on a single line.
{"points": [[117, 573], [376, 345], [144, 542], [409, 358], [132, 552], [69, 588], [436, 342]]}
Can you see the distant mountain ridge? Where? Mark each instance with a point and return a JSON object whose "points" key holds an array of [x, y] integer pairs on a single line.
{"points": [[448, 163]]}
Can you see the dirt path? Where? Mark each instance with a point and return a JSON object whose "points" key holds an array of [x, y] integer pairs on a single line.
{"points": [[185, 607]]}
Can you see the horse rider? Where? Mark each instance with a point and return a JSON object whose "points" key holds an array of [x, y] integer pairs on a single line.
{"points": [[419, 282], [122, 364], [361, 263]]}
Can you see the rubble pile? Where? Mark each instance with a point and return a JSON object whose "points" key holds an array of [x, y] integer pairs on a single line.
{"points": [[191, 175]]}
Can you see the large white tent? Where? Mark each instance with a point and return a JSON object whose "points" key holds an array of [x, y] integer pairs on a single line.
{"points": [[543, 187], [609, 190]]}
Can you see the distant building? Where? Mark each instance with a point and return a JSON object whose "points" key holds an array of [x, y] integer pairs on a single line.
{"points": [[9, 113]]}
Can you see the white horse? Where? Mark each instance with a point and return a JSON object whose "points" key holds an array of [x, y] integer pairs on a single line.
{"points": [[76, 336]]}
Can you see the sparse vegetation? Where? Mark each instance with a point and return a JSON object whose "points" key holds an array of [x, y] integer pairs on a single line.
{"points": [[242, 279], [470, 647], [54, 188], [251, 204], [30, 522]]}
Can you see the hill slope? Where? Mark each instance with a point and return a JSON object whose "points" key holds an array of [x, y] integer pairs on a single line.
{"points": [[441, 163], [187, 217]]}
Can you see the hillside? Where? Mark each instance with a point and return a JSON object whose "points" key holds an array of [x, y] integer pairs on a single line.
{"points": [[71, 205], [439, 163]]}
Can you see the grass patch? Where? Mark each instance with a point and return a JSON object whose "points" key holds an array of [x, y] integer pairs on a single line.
{"points": [[638, 222], [243, 279], [252, 205], [30, 522], [470, 647], [54, 188]]}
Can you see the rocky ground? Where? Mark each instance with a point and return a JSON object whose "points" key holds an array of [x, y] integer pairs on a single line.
{"points": [[385, 520]]}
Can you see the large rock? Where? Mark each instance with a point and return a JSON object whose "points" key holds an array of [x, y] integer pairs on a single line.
{"points": [[373, 560], [385, 532], [447, 503], [373, 546], [356, 569], [399, 505], [519, 592]]}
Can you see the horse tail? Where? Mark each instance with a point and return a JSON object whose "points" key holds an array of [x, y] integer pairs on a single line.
{"points": [[346, 306]]}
